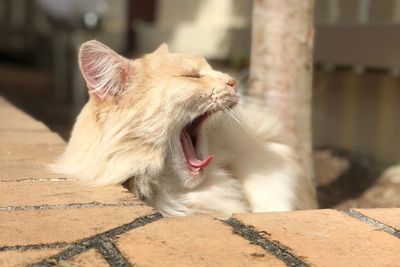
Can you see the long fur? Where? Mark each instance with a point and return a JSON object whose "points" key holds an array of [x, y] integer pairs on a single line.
{"points": [[131, 134]]}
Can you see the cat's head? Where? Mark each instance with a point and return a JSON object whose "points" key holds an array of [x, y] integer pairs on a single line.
{"points": [[167, 95]]}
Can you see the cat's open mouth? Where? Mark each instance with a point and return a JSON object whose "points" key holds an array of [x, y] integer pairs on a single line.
{"points": [[189, 140]]}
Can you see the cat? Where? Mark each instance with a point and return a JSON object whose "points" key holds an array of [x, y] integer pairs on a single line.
{"points": [[169, 127]]}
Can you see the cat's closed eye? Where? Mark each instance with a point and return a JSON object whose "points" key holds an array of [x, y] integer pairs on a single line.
{"points": [[193, 75]]}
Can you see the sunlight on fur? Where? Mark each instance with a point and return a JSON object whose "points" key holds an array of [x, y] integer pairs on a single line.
{"points": [[171, 127]]}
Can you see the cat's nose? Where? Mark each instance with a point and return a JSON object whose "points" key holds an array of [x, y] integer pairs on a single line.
{"points": [[231, 83]]}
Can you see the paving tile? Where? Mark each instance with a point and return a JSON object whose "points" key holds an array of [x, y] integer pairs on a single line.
{"points": [[11, 170], [68, 225], [88, 258], [37, 138], [15, 120], [41, 213], [12, 118], [389, 217], [327, 238], [27, 193], [21, 161], [3, 102], [191, 241], [24, 258], [30, 152]]}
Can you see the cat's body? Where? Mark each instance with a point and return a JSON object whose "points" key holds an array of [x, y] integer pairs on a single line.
{"points": [[156, 123]]}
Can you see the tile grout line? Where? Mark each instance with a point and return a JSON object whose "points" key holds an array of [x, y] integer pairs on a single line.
{"points": [[111, 253], [87, 205], [377, 224], [254, 237], [34, 246], [96, 240]]}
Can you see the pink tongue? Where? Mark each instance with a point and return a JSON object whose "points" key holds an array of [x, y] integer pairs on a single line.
{"points": [[190, 154]]}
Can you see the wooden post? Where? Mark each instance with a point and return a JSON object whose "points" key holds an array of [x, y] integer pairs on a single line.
{"points": [[281, 67]]}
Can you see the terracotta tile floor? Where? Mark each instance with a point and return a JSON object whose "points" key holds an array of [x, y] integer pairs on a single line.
{"points": [[46, 220]]}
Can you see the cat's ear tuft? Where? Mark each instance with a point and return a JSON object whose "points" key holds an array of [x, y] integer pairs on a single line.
{"points": [[106, 73], [162, 49]]}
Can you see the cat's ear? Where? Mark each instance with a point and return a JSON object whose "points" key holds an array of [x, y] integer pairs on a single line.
{"points": [[106, 73], [162, 49]]}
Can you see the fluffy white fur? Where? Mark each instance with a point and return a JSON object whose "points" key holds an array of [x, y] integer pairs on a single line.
{"points": [[253, 171], [131, 133]]}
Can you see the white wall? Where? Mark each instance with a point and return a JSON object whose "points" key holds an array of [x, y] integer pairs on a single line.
{"points": [[214, 29]]}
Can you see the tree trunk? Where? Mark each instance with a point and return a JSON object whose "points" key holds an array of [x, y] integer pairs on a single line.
{"points": [[281, 67]]}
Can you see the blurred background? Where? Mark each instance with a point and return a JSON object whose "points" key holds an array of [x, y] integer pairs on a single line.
{"points": [[356, 98]]}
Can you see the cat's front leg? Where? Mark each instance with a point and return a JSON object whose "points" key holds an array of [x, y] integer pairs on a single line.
{"points": [[272, 180], [269, 192], [269, 174]]}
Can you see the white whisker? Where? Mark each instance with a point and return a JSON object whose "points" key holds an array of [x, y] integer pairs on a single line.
{"points": [[213, 119], [233, 115], [236, 100], [226, 112], [170, 146], [230, 113]]}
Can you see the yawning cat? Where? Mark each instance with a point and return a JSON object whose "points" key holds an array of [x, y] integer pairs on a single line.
{"points": [[163, 124]]}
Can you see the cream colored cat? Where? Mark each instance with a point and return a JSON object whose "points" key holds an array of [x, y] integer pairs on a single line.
{"points": [[157, 122]]}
